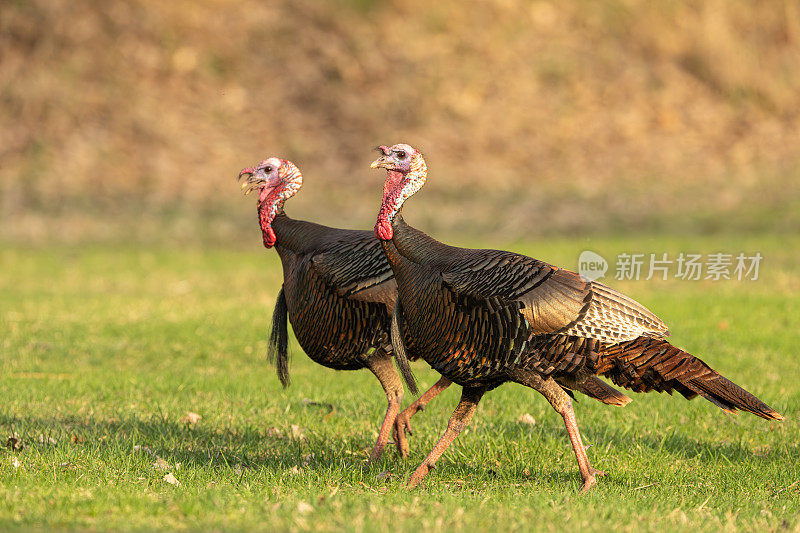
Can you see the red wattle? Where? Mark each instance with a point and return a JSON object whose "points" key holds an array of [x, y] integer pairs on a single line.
{"points": [[269, 237], [391, 189], [383, 230], [267, 210]]}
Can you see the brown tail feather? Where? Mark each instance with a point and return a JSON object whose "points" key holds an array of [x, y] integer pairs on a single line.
{"points": [[598, 389], [278, 345], [647, 364], [729, 396]]}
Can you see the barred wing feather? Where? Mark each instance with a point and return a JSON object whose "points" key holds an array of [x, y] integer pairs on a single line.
{"points": [[554, 300]]}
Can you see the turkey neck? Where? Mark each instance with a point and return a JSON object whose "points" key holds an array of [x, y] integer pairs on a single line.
{"points": [[415, 245], [296, 236]]}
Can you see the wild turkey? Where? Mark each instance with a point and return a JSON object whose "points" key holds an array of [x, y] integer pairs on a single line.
{"points": [[338, 289], [485, 317]]}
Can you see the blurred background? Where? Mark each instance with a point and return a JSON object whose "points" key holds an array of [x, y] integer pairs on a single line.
{"points": [[125, 120]]}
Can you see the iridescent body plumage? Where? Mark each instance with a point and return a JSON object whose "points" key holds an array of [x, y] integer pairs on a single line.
{"points": [[485, 317]]}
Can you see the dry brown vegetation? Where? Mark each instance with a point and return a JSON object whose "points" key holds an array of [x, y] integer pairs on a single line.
{"points": [[536, 117]]}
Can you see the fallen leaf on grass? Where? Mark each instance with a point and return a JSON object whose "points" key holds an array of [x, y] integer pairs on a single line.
{"points": [[47, 440], [274, 433], [527, 419], [359, 452], [138, 448], [304, 508], [159, 464], [15, 462], [297, 432], [191, 418], [76, 439], [15, 443], [172, 480]]}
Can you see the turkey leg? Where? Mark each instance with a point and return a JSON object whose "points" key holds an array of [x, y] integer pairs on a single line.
{"points": [[382, 366], [562, 403], [402, 424], [458, 421]]}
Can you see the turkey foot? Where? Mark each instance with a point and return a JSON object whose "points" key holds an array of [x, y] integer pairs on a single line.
{"points": [[590, 482], [419, 474]]}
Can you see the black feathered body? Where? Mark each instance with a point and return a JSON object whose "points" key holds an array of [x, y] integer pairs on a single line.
{"points": [[484, 317], [339, 291]]}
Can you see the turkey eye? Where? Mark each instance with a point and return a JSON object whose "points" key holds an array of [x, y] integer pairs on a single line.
{"points": [[267, 169], [401, 155]]}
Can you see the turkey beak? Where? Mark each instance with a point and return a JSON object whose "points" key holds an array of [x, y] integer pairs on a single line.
{"points": [[249, 171], [252, 182], [381, 162]]}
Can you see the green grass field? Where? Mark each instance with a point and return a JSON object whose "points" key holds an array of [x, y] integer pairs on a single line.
{"points": [[106, 349]]}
